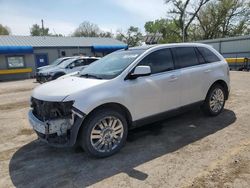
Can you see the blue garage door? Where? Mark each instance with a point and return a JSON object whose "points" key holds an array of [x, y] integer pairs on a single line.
{"points": [[41, 60]]}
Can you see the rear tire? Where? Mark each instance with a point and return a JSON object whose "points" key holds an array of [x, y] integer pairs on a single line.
{"points": [[104, 133], [215, 100]]}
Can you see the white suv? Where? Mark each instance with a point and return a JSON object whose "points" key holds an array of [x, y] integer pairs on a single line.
{"points": [[125, 89]]}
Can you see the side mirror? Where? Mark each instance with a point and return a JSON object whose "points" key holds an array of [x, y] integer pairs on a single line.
{"points": [[140, 71], [71, 66]]}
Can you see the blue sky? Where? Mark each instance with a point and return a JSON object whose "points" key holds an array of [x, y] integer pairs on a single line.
{"points": [[63, 16]]}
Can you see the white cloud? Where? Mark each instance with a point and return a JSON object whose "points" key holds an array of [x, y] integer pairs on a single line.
{"points": [[146, 9]]}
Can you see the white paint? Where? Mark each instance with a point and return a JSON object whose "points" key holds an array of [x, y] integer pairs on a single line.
{"points": [[144, 96]]}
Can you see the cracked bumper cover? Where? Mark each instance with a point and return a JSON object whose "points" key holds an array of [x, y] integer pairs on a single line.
{"points": [[59, 132]]}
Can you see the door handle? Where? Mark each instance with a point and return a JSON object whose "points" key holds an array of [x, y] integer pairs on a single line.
{"points": [[208, 70], [173, 78]]}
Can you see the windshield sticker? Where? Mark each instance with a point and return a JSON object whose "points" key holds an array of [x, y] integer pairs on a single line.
{"points": [[130, 56]]}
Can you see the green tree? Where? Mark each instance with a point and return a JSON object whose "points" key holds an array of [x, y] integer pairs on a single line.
{"points": [[36, 30], [132, 37], [4, 30], [224, 18], [170, 33]]}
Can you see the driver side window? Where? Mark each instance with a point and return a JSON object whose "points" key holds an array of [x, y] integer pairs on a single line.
{"points": [[159, 61]]}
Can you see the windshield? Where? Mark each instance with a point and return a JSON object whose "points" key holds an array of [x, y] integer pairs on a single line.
{"points": [[56, 62], [65, 63], [111, 65]]}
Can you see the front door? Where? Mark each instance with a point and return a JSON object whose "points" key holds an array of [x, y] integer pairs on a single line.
{"points": [[158, 92], [41, 60]]}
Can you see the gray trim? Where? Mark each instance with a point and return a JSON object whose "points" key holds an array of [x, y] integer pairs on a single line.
{"points": [[225, 39], [235, 52]]}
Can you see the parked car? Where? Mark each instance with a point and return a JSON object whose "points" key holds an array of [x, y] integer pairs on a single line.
{"points": [[126, 89], [70, 65], [54, 63]]}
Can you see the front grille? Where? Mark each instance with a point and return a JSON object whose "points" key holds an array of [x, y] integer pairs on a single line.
{"points": [[46, 110]]}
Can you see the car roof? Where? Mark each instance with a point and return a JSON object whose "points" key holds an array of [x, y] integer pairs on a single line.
{"points": [[146, 47], [86, 57]]}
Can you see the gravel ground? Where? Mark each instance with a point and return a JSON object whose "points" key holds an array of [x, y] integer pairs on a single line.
{"points": [[190, 150]]}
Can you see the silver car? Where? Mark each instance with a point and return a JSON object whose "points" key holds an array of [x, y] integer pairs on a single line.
{"points": [[67, 66]]}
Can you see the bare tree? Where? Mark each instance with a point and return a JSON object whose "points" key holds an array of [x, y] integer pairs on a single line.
{"points": [[184, 13], [87, 29]]}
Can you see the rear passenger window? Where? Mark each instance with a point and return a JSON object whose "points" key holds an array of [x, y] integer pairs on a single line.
{"points": [[200, 57], [89, 61], [79, 62], [159, 61], [185, 57], [208, 55]]}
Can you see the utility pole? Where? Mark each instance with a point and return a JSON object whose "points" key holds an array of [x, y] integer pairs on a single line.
{"points": [[42, 28], [183, 28]]}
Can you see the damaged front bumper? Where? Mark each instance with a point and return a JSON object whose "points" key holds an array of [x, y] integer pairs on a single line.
{"points": [[58, 132]]}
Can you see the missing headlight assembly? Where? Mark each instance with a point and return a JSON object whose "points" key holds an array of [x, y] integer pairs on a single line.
{"points": [[47, 110], [56, 123], [57, 116]]}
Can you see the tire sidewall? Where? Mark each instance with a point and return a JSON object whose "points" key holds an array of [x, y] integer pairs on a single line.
{"points": [[211, 112], [89, 125]]}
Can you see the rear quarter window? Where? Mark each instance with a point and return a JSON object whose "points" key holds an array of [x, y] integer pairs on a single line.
{"points": [[185, 57], [208, 55]]}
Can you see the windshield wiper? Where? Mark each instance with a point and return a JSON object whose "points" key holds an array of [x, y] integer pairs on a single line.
{"points": [[90, 76]]}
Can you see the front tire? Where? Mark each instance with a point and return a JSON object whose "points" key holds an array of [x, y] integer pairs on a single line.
{"points": [[215, 101], [104, 133]]}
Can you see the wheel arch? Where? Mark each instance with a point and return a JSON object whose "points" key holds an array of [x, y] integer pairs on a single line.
{"points": [[111, 105], [223, 84], [117, 106]]}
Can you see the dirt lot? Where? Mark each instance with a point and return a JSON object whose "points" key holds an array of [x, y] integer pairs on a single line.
{"points": [[190, 150]]}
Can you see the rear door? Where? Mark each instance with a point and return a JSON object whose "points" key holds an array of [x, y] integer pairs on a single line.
{"points": [[194, 74]]}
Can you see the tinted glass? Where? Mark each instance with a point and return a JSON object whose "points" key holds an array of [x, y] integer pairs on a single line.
{"points": [[185, 57], [159, 61], [65, 63], [81, 62], [111, 65], [89, 61], [200, 56], [208, 55]]}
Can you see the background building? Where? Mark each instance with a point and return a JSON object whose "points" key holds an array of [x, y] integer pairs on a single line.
{"points": [[21, 55], [233, 47]]}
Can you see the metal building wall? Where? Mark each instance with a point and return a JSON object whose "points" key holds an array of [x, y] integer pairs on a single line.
{"points": [[231, 47], [54, 53]]}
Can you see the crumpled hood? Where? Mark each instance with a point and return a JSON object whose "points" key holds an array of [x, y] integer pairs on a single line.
{"points": [[58, 90]]}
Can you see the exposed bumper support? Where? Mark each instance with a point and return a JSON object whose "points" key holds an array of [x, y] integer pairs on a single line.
{"points": [[59, 132]]}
